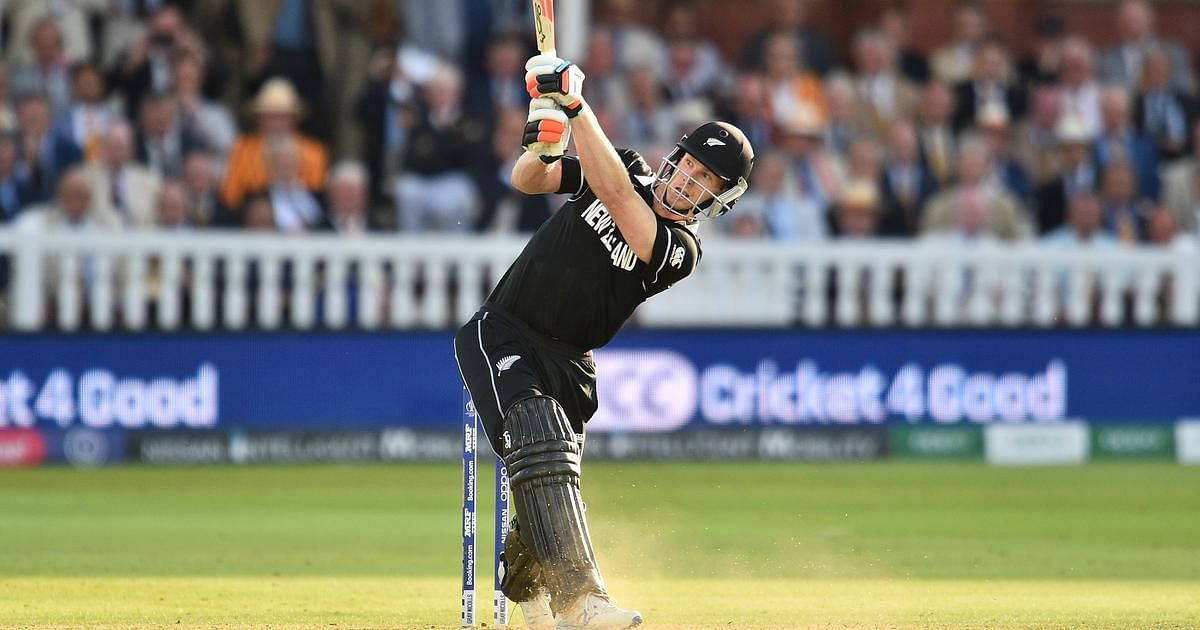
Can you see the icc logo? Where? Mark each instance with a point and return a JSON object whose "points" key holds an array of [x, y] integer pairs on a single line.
{"points": [[644, 390]]}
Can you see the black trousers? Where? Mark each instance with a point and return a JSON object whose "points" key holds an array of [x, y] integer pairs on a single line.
{"points": [[502, 361]]}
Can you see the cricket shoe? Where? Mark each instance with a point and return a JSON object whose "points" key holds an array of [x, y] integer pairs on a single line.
{"points": [[538, 615], [597, 610]]}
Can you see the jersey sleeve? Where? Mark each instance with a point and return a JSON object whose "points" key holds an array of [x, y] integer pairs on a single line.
{"points": [[675, 254]]}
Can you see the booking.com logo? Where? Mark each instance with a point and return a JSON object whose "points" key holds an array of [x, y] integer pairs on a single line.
{"points": [[644, 390]]}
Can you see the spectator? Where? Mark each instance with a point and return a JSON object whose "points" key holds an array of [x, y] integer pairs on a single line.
{"points": [[856, 215], [1182, 183], [911, 62], [161, 140], [1006, 171], [503, 208], [295, 207], [71, 18], [779, 208], [1163, 113], [1080, 93], [13, 192], [752, 111], [1033, 140], [321, 48], [1044, 64], [206, 122], [438, 27], [201, 193], [975, 203], [502, 85], [636, 45], [694, 67], [811, 49], [936, 132], [1120, 140], [90, 113], [847, 120], [953, 62], [1162, 228], [170, 208], [70, 210], [988, 86], [435, 191], [278, 111], [1125, 212], [1084, 227], [123, 192], [1078, 174], [863, 161], [44, 155], [886, 96], [815, 173], [49, 71], [146, 67], [1124, 63], [905, 184], [347, 196], [649, 122], [789, 85], [258, 215]]}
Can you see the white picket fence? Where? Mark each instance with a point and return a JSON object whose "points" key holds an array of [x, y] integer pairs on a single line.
{"points": [[201, 281]]}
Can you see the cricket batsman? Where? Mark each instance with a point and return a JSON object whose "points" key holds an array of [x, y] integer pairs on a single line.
{"points": [[626, 233]]}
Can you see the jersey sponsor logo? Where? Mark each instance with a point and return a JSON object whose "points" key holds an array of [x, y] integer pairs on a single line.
{"points": [[713, 142], [507, 362], [597, 217], [677, 258]]}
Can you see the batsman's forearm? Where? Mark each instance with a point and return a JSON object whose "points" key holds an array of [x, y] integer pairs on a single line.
{"points": [[608, 179], [532, 176], [601, 165]]}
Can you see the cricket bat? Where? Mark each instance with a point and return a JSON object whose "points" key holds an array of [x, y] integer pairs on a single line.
{"points": [[543, 26]]}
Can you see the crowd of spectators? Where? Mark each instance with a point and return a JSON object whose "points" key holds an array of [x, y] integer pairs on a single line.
{"points": [[406, 115]]}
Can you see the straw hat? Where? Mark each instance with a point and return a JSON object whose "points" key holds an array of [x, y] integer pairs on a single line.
{"points": [[277, 96], [860, 193]]}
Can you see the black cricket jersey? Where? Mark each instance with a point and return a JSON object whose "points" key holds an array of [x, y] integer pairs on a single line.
{"points": [[577, 280]]}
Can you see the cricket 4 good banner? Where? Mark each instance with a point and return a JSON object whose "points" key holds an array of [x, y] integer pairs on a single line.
{"points": [[649, 382]]}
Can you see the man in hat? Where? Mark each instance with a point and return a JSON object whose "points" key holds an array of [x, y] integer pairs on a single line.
{"points": [[625, 234], [1077, 176], [278, 111]]}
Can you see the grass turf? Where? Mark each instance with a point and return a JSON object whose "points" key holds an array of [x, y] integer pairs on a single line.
{"points": [[691, 545]]}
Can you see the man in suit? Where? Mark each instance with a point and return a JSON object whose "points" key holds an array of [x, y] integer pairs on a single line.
{"points": [[1124, 63], [44, 155], [1120, 140], [1162, 112], [161, 140], [952, 62], [123, 192], [999, 213], [13, 193], [1078, 174], [48, 72], [990, 85], [885, 94], [905, 184], [935, 130]]}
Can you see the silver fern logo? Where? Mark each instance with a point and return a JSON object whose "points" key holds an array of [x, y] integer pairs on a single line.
{"points": [[507, 362]]}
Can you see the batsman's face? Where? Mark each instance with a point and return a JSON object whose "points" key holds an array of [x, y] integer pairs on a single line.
{"points": [[691, 185]]}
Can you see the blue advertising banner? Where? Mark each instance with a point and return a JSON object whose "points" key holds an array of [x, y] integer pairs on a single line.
{"points": [[648, 380]]}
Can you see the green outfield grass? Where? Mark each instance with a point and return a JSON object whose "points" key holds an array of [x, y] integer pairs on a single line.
{"points": [[691, 545]]}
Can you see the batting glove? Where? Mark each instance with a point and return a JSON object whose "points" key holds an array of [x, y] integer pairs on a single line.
{"points": [[556, 78], [547, 130]]}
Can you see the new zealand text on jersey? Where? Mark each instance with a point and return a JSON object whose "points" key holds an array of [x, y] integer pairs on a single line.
{"points": [[597, 216]]}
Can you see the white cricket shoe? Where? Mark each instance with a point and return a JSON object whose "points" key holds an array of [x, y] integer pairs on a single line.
{"points": [[537, 613], [596, 610]]}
